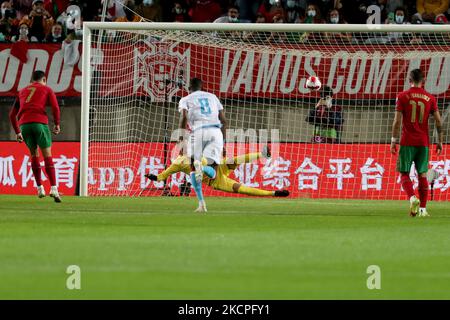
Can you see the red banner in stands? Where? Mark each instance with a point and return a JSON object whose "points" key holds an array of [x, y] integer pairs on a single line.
{"points": [[367, 72], [65, 80], [364, 171]]}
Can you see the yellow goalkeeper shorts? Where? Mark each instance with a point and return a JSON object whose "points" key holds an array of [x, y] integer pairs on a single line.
{"points": [[222, 181]]}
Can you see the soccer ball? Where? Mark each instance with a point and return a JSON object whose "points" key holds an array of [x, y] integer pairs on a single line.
{"points": [[313, 83]]}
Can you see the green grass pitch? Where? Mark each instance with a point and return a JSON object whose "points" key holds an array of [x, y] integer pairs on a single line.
{"points": [[158, 248]]}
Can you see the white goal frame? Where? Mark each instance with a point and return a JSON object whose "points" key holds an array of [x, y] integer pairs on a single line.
{"points": [[263, 27]]}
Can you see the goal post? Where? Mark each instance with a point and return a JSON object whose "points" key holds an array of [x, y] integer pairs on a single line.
{"points": [[137, 72], [85, 96]]}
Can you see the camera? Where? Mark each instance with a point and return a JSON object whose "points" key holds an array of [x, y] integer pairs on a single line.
{"points": [[10, 14]]}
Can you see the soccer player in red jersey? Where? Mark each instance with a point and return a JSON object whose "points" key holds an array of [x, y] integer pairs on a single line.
{"points": [[413, 108], [32, 127]]}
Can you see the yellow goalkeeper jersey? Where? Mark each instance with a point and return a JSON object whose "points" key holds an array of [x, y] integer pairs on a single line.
{"points": [[221, 182]]}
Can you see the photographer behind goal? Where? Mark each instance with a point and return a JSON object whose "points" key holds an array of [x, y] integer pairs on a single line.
{"points": [[326, 118]]}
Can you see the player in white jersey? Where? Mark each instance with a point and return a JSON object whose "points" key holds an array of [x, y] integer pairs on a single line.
{"points": [[203, 113]]}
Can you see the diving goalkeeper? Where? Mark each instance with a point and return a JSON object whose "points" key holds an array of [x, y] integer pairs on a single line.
{"points": [[222, 181]]}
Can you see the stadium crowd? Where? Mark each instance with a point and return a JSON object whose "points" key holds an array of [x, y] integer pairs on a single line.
{"points": [[55, 21]]}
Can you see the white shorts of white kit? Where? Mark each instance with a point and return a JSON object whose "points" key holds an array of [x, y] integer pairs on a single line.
{"points": [[206, 142]]}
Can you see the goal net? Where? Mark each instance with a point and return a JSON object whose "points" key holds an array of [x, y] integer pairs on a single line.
{"points": [[325, 148]]}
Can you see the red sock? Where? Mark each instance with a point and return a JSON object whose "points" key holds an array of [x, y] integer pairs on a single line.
{"points": [[423, 191], [36, 168], [50, 170], [407, 184]]}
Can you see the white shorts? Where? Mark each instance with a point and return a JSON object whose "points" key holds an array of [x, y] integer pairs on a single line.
{"points": [[206, 142]]}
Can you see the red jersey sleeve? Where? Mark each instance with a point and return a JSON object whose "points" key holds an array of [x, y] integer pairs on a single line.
{"points": [[399, 103], [55, 106], [433, 107], [13, 116]]}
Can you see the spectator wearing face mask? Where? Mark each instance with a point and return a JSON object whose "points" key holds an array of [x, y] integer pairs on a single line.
{"points": [[313, 15], [179, 13], [399, 16], [150, 10], [293, 11], [334, 17], [24, 34], [57, 35], [272, 8], [231, 17]]}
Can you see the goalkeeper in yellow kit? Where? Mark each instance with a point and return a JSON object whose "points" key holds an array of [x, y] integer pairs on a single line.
{"points": [[222, 181]]}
